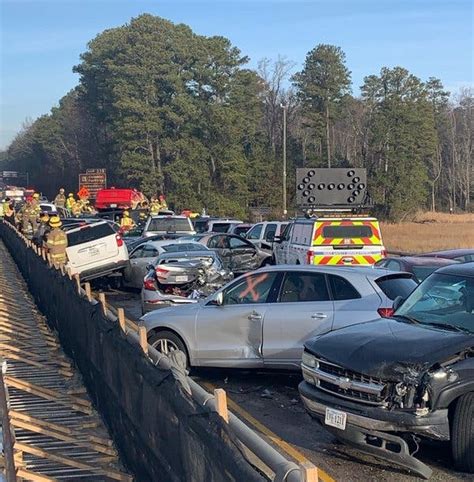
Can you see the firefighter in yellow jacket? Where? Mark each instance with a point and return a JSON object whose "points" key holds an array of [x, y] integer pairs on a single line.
{"points": [[57, 243], [126, 223], [70, 201]]}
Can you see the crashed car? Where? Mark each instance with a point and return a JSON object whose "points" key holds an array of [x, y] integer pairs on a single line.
{"points": [[182, 277], [383, 385]]}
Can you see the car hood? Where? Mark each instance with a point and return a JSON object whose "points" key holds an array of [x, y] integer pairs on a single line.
{"points": [[389, 349], [154, 317]]}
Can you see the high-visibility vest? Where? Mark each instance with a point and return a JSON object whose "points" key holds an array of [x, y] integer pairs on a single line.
{"points": [[126, 222]]}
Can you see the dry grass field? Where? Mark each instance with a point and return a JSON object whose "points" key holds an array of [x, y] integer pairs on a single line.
{"points": [[429, 232]]}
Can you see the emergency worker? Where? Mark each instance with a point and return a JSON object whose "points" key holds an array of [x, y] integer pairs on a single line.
{"points": [[57, 243], [9, 214], [70, 201], [40, 235], [60, 199], [163, 203], [29, 215], [126, 223], [76, 209], [142, 217], [155, 206]]}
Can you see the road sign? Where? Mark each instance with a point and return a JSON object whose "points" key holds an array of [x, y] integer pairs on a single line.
{"points": [[94, 180], [331, 187], [9, 174]]}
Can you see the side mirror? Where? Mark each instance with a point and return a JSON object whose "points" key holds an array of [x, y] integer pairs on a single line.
{"points": [[397, 302], [218, 300], [277, 239]]}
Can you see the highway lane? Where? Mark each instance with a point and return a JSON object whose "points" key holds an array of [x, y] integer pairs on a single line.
{"points": [[269, 402]]}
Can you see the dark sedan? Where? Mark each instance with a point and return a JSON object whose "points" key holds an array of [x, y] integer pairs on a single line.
{"points": [[420, 266], [462, 255], [237, 254]]}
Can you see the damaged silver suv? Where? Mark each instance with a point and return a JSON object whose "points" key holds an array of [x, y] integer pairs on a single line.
{"points": [[382, 385]]}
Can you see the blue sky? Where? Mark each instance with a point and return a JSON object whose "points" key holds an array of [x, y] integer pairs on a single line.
{"points": [[41, 40]]}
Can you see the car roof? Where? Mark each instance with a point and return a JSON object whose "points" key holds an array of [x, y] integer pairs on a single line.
{"points": [[167, 216], [450, 252], [189, 254], [369, 271], [167, 242], [459, 269], [424, 260]]}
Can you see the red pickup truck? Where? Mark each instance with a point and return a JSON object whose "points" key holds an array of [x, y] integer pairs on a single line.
{"points": [[118, 199]]}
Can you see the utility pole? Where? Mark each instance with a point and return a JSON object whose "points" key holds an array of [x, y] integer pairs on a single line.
{"points": [[285, 109]]}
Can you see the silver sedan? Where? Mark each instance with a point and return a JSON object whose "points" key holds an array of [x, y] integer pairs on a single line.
{"points": [[263, 318]]}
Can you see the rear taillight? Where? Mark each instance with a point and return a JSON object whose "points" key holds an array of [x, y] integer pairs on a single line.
{"points": [[384, 253], [309, 257], [149, 285], [161, 272], [119, 240], [385, 312]]}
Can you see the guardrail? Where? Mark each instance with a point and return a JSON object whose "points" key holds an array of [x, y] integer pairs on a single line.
{"points": [[283, 469]]}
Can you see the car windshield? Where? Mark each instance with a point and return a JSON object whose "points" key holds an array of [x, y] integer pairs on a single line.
{"points": [[442, 300], [169, 225], [178, 247], [422, 272]]}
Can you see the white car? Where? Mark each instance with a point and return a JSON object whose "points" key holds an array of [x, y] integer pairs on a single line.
{"points": [[263, 234], [95, 250]]}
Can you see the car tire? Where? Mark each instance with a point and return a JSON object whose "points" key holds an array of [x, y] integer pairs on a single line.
{"points": [[462, 433], [170, 339]]}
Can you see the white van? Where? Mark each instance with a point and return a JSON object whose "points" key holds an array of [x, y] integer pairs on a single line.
{"points": [[263, 234], [95, 250], [338, 241]]}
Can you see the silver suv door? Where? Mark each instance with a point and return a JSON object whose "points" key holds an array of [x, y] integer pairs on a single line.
{"points": [[231, 334], [303, 309]]}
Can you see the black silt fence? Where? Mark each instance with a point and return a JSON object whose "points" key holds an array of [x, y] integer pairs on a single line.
{"points": [[160, 432]]}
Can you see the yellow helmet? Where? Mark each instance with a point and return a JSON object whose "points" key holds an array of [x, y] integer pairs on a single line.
{"points": [[45, 217], [70, 194], [36, 195], [126, 213], [55, 222]]}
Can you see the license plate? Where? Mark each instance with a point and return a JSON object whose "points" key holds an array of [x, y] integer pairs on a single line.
{"points": [[335, 418], [181, 279]]}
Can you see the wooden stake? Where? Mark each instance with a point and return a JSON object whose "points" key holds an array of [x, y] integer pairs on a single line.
{"points": [[69, 273], [50, 263], [309, 472], [78, 283], [103, 303], [143, 339], [121, 318], [43, 253], [63, 269], [87, 287], [221, 403]]}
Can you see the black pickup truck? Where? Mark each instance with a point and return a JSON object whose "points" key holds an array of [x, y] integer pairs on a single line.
{"points": [[381, 386]]}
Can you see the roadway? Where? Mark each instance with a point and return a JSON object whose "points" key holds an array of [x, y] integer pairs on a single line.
{"points": [[269, 402]]}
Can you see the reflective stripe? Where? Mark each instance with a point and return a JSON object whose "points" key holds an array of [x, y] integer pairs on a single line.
{"points": [[355, 259], [57, 243]]}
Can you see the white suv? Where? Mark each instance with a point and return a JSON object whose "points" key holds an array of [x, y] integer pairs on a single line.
{"points": [[95, 250], [263, 234]]}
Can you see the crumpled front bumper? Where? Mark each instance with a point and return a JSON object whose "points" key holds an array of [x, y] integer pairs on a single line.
{"points": [[376, 430]]}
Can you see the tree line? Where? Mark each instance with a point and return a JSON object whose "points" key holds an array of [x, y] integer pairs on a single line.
{"points": [[166, 110]]}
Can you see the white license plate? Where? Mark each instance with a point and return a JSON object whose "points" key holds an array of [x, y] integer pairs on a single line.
{"points": [[181, 279], [335, 418]]}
